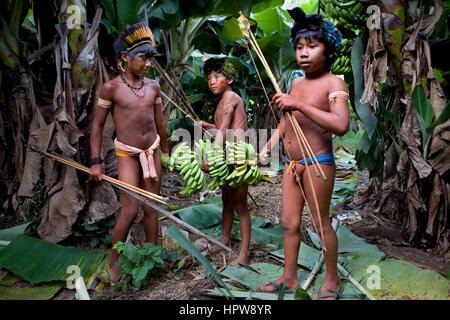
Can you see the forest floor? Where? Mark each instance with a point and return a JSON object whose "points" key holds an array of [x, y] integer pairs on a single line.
{"points": [[187, 283]]}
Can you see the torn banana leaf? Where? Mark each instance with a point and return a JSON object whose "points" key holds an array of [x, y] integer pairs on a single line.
{"points": [[39, 261], [256, 274], [45, 292]]}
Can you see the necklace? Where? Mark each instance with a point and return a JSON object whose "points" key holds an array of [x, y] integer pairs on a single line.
{"points": [[135, 89]]}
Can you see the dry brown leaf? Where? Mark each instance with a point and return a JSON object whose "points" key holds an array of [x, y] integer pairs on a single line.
{"points": [[62, 208], [434, 204], [103, 202]]}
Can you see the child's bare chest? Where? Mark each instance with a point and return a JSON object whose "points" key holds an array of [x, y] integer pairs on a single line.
{"points": [[138, 105], [312, 94]]}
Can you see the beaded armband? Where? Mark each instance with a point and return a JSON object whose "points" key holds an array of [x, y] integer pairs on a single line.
{"points": [[338, 94], [104, 103]]}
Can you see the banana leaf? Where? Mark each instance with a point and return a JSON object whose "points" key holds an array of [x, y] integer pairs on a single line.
{"points": [[266, 5], [39, 261], [344, 158], [10, 233], [307, 256], [201, 216], [7, 279], [208, 218], [170, 13], [231, 31], [119, 14], [255, 275], [400, 280], [45, 292], [270, 44], [425, 114], [309, 6], [351, 244], [274, 19], [362, 110], [268, 235]]}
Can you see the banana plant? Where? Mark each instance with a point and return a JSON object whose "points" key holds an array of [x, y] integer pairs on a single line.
{"points": [[425, 114], [16, 83]]}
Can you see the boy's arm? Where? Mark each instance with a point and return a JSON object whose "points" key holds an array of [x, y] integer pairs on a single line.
{"points": [[161, 125], [206, 125], [97, 126], [227, 110], [274, 140], [335, 121]]}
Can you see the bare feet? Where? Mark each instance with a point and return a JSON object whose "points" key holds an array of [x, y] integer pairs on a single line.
{"points": [[243, 258], [275, 285], [216, 248]]}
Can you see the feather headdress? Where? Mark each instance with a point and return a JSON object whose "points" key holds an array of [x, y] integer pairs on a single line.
{"points": [[136, 35]]}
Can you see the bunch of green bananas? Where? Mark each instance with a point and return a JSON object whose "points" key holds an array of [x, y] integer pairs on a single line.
{"points": [[349, 17], [167, 162], [347, 14], [341, 65], [246, 169], [202, 147], [186, 162], [218, 167], [345, 48]]}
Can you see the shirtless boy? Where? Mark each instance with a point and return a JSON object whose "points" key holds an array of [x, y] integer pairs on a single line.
{"points": [[319, 103], [230, 115], [135, 103]]}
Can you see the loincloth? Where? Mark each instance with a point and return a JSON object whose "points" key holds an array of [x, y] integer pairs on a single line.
{"points": [[321, 159], [145, 156]]}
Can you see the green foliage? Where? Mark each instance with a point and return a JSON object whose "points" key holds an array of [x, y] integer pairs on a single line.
{"points": [[425, 114], [97, 234], [309, 6], [118, 14], [14, 44], [300, 294], [369, 154], [11, 233], [32, 206], [362, 110], [442, 30], [40, 261], [140, 265], [349, 140]]}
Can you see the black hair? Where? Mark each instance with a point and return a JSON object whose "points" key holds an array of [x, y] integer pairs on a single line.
{"points": [[120, 45], [145, 48], [219, 65], [312, 26]]}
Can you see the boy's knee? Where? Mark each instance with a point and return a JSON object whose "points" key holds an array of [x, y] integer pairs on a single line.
{"points": [[129, 213], [290, 224], [241, 206], [326, 227]]}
